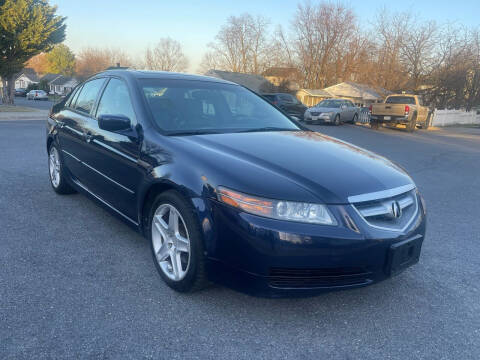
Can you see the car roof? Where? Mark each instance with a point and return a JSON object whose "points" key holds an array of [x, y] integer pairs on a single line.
{"points": [[165, 75]]}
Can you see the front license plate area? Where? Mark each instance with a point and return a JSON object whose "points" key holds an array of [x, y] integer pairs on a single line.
{"points": [[403, 254], [387, 118]]}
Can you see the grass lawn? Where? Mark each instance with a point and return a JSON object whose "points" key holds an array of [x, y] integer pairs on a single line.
{"points": [[10, 108]]}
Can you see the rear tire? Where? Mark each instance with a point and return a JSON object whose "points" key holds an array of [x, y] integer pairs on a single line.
{"points": [[355, 118], [412, 124], [374, 124], [56, 171], [181, 266]]}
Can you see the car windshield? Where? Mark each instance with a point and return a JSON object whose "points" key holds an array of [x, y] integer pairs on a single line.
{"points": [[329, 104], [195, 107], [400, 100]]}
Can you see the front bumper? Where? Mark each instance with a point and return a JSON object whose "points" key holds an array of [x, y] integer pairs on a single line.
{"points": [[318, 120], [273, 258]]}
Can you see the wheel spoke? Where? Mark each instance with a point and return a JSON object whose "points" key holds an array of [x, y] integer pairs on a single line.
{"points": [[163, 253], [183, 244], [176, 264], [161, 226], [173, 221]]}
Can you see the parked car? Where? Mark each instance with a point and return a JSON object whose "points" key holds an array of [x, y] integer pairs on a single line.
{"points": [[288, 103], [333, 111], [401, 109], [20, 92], [227, 188], [37, 95]]}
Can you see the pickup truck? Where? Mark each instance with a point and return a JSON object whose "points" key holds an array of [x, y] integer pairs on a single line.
{"points": [[400, 109]]}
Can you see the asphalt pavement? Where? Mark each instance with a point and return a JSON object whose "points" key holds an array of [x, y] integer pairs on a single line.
{"points": [[36, 104], [76, 282]]}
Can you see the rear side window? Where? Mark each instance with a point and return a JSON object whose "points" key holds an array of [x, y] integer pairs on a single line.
{"points": [[116, 100], [88, 95], [400, 100], [73, 97], [287, 98]]}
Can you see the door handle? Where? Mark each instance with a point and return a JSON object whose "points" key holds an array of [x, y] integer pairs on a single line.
{"points": [[88, 137]]}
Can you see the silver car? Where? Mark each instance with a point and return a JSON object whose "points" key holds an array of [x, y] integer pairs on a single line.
{"points": [[37, 95], [334, 111]]}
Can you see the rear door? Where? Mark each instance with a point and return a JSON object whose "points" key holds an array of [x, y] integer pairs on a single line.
{"points": [[76, 121], [112, 156]]}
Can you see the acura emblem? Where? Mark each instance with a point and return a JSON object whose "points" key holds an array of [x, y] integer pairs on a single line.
{"points": [[395, 210]]}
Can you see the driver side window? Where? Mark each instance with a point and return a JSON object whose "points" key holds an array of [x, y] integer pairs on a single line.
{"points": [[116, 100]]}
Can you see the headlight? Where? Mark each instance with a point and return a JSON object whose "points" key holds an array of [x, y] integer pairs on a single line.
{"points": [[327, 114], [277, 209]]}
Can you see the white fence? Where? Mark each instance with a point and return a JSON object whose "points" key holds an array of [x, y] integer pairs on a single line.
{"points": [[451, 117]]}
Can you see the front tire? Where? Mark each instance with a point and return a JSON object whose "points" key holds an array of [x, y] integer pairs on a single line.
{"points": [[337, 120], [56, 171], [176, 242]]}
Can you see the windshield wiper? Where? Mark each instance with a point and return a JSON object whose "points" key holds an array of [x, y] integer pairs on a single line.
{"points": [[194, 132], [268, 128]]}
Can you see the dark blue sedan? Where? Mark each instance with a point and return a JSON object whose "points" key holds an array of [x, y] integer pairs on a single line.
{"points": [[228, 188]]}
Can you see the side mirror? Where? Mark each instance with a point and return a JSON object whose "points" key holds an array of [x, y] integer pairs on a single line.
{"points": [[114, 122]]}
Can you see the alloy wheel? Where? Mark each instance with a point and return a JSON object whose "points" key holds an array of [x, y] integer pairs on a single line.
{"points": [[54, 166], [171, 242]]}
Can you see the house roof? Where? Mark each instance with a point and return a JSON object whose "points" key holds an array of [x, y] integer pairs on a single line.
{"points": [[317, 92], [253, 82], [353, 90], [281, 71], [49, 77], [29, 73], [61, 80]]}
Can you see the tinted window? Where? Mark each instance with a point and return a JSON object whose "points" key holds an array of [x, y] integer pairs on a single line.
{"points": [[75, 97], [270, 98], [189, 106], [116, 100], [286, 98], [88, 95], [400, 100]]}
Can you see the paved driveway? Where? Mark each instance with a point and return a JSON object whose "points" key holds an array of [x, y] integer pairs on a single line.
{"points": [[77, 283]]}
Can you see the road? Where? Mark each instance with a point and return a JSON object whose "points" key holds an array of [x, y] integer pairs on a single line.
{"points": [[77, 283], [37, 104]]}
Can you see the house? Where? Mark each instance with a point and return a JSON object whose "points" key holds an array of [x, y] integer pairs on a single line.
{"points": [[288, 77], [62, 85], [311, 97], [25, 77], [256, 83], [360, 94], [59, 84]]}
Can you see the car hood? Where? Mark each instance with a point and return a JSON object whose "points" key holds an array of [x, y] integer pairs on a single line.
{"points": [[324, 109], [294, 165]]}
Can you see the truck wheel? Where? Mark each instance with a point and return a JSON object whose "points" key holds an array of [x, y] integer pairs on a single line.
{"points": [[412, 124], [427, 121], [374, 124]]}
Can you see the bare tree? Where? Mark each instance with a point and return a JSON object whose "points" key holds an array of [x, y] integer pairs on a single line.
{"points": [[391, 32], [241, 45], [320, 31], [167, 55], [92, 60], [417, 53]]}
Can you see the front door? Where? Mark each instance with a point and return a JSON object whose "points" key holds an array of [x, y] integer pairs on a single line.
{"points": [[113, 155]]}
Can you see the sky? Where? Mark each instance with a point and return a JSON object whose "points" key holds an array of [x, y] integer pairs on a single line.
{"points": [[135, 25]]}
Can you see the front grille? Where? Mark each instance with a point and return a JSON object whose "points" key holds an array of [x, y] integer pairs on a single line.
{"points": [[392, 213], [317, 278]]}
